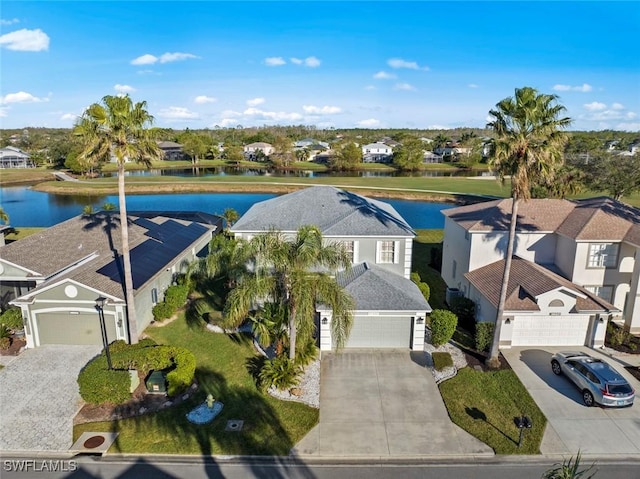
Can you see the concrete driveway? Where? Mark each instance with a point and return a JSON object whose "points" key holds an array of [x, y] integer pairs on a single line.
{"points": [[383, 404], [571, 425], [39, 398]]}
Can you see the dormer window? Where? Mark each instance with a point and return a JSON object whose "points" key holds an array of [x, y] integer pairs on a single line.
{"points": [[603, 255], [556, 303]]}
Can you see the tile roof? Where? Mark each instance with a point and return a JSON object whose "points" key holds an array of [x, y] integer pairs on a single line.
{"points": [[528, 280], [82, 248], [336, 212], [374, 288]]}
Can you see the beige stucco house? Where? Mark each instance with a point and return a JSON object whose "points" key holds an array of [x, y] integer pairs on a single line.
{"points": [[589, 248]]}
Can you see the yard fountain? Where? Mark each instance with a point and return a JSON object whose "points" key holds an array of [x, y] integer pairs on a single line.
{"points": [[205, 412]]}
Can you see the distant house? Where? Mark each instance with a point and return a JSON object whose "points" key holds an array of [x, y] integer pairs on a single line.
{"points": [[377, 153], [431, 157], [56, 275], [311, 144], [12, 157], [251, 150], [452, 149], [172, 151]]}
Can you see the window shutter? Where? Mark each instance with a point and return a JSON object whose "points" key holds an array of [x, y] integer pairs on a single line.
{"points": [[396, 252], [356, 252]]}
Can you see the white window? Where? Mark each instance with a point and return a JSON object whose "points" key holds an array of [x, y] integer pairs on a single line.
{"points": [[604, 292], [386, 251], [351, 247], [603, 255]]}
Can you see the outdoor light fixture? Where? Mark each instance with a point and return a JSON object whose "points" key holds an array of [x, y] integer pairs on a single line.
{"points": [[100, 302], [420, 320], [325, 320], [522, 423]]}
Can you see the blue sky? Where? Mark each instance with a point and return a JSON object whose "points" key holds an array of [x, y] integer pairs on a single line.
{"points": [[331, 64]]}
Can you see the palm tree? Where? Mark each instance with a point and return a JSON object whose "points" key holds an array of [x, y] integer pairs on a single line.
{"points": [[230, 216], [297, 273], [4, 217], [528, 145], [117, 127]]}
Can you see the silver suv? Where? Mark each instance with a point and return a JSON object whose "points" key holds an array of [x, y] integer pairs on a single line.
{"points": [[598, 382]]}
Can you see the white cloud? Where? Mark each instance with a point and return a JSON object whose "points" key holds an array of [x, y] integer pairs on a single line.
{"points": [[628, 126], [256, 113], [584, 88], [368, 123], [274, 61], [4, 111], [146, 59], [255, 101], [69, 116], [404, 87], [595, 106], [123, 88], [321, 110], [9, 22], [177, 113], [617, 106], [400, 63], [370, 87], [20, 97], [25, 40], [231, 113], [202, 99], [439, 127], [227, 122], [382, 75], [311, 62], [473, 85], [606, 115]]}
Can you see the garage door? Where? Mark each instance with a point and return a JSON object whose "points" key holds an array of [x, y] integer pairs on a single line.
{"points": [[550, 331], [66, 328], [380, 332]]}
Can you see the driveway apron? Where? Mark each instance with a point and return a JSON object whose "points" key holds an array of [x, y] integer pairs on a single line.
{"points": [[572, 426], [383, 404], [39, 398]]}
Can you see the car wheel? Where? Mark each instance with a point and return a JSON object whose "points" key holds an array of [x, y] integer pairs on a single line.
{"points": [[555, 367], [587, 397]]}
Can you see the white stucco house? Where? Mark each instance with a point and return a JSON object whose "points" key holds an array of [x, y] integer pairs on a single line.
{"points": [[390, 309], [252, 149], [577, 265]]}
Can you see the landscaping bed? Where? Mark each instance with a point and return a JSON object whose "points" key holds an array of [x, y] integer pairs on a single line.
{"points": [[620, 340]]}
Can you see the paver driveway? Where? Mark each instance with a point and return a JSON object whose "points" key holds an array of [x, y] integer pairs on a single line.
{"points": [[39, 397], [383, 404], [571, 425]]}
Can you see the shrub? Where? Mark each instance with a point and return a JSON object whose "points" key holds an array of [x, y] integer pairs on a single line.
{"points": [[617, 335], [465, 310], [100, 385], [5, 343], [181, 377], [176, 295], [443, 325], [415, 277], [441, 360], [422, 286], [279, 372], [306, 353], [12, 319], [484, 336], [162, 311]]}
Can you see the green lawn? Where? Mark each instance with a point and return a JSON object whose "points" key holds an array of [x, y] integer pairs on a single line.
{"points": [[271, 426], [485, 404], [21, 232], [423, 243]]}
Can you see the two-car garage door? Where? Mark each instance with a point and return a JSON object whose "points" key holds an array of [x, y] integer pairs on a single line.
{"points": [[67, 328], [549, 330], [380, 332]]}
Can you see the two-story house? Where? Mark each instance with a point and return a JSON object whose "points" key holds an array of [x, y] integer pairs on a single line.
{"points": [[577, 264], [377, 153], [171, 150], [252, 150], [56, 275], [390, 309]]}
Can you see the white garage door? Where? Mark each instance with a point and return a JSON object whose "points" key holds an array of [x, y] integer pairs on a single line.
{"points": [[549, 330], [380, 332]]}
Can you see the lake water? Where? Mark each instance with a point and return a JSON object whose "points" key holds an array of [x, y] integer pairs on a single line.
{"points": [[27, 207]]}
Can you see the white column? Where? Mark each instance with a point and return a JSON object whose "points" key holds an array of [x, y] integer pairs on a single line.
{"points": [[326, 343], [419, 322]]}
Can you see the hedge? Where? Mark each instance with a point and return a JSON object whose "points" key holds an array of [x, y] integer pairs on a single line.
{"points": [[443, 325], [12, 319], [162, 311], [484, 336], [176, 295], [100, 385]]}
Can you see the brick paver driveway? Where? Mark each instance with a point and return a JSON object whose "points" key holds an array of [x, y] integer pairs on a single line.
{"points": [[39, 397]]}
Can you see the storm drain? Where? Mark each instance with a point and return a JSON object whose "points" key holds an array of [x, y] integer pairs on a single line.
{"points": [[234, 425]]}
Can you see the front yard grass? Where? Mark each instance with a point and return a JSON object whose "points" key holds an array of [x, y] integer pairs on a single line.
{"points": [[271, 426], [485, 405]]}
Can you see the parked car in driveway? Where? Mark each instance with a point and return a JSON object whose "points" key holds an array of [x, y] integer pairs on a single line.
{"points": [[598, 382]]}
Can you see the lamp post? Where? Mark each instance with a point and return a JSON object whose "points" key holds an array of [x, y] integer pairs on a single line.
{"points": [[522, 423], [100, 302]]}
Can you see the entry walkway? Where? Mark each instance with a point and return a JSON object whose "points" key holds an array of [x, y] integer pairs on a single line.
{"points": [[383, 404], [39, 398]]}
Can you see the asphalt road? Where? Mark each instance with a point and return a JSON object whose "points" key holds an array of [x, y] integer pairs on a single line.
{"points": [[140, 468]]}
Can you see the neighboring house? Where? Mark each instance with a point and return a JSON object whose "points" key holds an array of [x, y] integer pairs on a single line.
{"points": [[55, 275], [452, 149], [252, 149], [377, 153], [431, 157], [587, 249], [390, 310], [171, 150], [12, 157], [311, 144]]}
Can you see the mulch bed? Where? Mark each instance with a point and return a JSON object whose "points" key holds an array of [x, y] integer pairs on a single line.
{"points": [[634, 371], [476, 360], [630, 344], [15, 348]]}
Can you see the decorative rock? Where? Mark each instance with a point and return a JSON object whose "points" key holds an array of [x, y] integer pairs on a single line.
{"points": [[297, 392], [185, 397], [167, 404], [194, 386], [142, 410]]}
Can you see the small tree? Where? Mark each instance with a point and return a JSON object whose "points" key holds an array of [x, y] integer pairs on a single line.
{"points": [[443, 325], [570, 469]]}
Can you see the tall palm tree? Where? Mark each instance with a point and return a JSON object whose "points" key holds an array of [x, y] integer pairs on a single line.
{"points": [[298, 273], [117, 127], [528, 145]]}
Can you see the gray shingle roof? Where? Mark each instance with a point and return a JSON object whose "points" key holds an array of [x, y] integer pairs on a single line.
{"points": [[336, 212], [374, 288], [155, 240], [526, 281]]}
